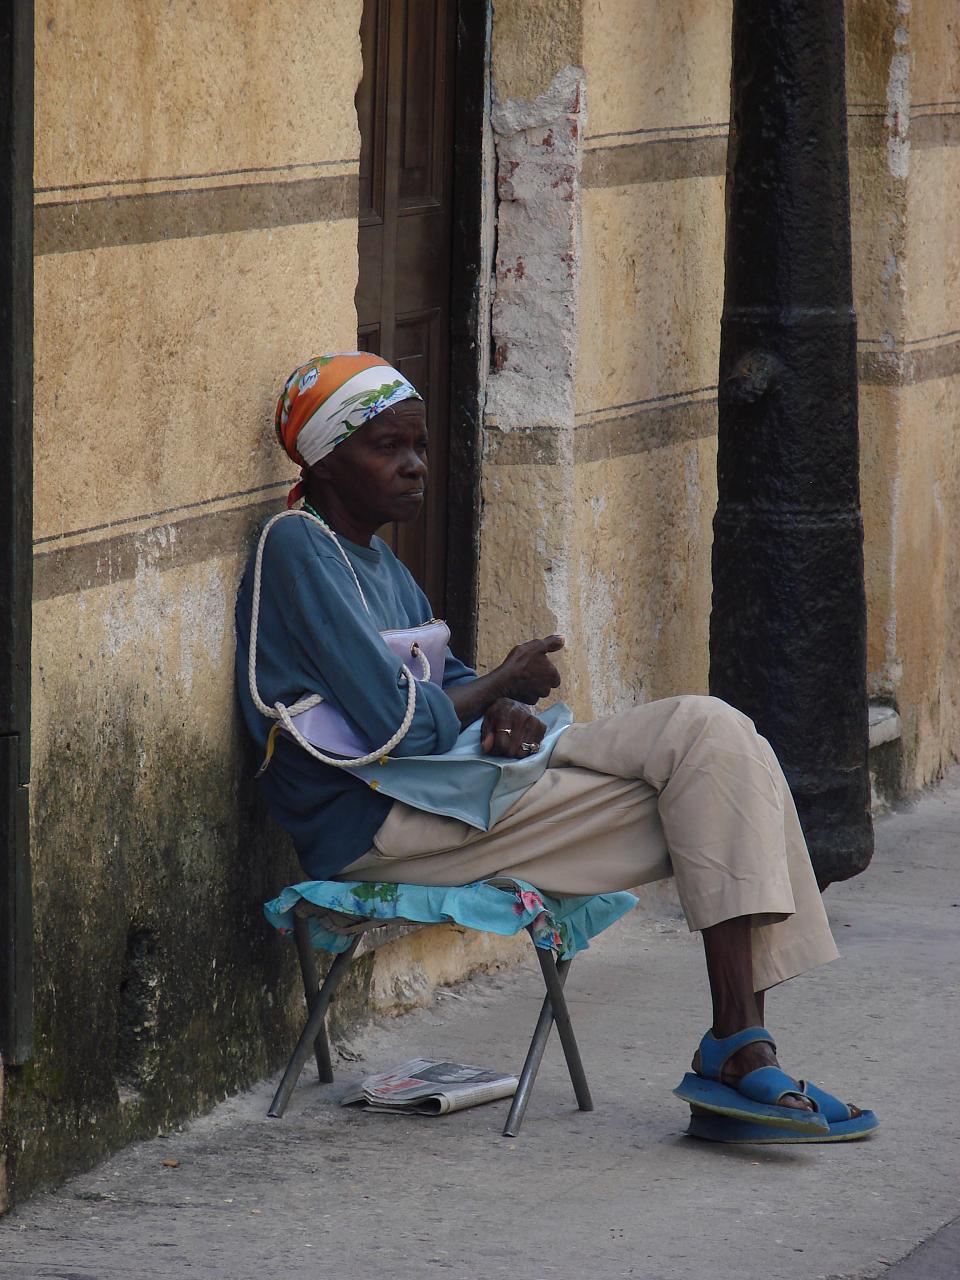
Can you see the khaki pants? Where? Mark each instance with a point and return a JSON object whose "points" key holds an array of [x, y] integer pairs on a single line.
{"points": [[683, 787]]}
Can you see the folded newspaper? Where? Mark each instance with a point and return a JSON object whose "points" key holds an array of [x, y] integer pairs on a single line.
{"points": [[430, 1088]]}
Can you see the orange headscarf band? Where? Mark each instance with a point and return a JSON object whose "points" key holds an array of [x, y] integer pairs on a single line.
{"points": [[328, 398]]}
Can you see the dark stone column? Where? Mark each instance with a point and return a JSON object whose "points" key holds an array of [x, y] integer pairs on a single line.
{"points": [[788, 625]]}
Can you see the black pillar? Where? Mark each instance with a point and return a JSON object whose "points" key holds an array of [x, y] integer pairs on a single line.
{"points": [[788, 625], [16, 522]]}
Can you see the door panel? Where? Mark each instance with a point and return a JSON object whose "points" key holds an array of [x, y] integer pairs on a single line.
{"points": [[371, 112], [405, 110]]}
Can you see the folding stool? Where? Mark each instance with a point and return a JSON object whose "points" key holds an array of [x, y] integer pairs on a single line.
{"points": [[373, 933]]}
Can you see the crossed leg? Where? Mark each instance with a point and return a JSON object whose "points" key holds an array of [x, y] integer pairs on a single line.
{"points": [[683, 786]]}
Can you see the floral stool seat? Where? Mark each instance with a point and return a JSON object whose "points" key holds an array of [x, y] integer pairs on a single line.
{"points": [[337, 915]]}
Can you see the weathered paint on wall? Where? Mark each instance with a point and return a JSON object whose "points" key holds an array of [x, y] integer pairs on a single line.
{"points": [[645, 289], [655, 67], [646, 366], [155, 92], [196, 237], [528, 459], [904, 82], [604, 441], [532, 40]]}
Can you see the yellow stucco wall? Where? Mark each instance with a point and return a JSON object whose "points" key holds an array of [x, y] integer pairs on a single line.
{"points": [[164, 357], [531, 40], [649, 274], [617, 555], [654, 66], [904, 83], [146, 91], [195, 238]]}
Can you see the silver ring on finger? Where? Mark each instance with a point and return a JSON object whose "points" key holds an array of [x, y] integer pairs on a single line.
{"points": [[529, 747]]}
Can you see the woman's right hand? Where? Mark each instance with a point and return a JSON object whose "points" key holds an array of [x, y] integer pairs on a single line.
{"points": [[527, 673], [511, 729]]}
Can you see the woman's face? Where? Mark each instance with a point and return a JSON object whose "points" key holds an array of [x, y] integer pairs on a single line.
{"points": [[379, 474]]}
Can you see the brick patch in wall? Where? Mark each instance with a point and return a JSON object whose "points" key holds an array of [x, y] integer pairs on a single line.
{"points": [[539, 148]]}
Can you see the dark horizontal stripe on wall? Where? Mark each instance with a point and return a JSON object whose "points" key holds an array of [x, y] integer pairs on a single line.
{"points": [[940, 129], [537, 446], [628, 164], [273, 487], [655, 425], [192, 177], [660, 160], [649, 427], [87, 565], [905, 368], [174, 215]]}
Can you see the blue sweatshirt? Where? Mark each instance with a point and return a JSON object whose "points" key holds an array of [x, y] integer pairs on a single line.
{"points": [[316, 637]]}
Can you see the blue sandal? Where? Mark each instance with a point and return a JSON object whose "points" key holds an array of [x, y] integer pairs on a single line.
{"points": [[757, 1096], [842, 1126]]}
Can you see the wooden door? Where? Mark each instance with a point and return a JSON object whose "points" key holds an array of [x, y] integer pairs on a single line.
{"points": [[405, 106]]}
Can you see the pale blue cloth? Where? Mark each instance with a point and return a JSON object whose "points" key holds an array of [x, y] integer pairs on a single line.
{"points": [[463, 782], [563, 925]]}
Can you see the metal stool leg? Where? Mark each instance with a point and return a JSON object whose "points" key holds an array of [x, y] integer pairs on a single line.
{"points": [[554, 1008], [338, 971], [531, 1065], [308, 970], [561, 1014]]}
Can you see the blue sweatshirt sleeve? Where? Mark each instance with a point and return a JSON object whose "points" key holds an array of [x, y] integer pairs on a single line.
{"points": [[455, 671], [339, 652]]}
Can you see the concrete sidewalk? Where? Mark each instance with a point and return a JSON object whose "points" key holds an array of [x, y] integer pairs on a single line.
{"points": [[616, 1193]]}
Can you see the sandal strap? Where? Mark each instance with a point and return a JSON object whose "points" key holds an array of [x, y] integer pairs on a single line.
{"points": [[830, 1106], [771, 1085], [714, 1053]]}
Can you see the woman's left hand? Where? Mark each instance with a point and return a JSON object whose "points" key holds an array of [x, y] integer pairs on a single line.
{"points": [[511, 729]]}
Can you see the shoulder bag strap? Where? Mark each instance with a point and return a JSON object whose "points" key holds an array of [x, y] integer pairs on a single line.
{"points": [[284, 714]]}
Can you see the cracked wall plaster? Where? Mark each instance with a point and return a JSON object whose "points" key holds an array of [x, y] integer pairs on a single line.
{"points": [[535, 307]]}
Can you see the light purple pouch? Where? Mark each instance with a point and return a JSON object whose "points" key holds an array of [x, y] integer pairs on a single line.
{"points": [[330, 731]]}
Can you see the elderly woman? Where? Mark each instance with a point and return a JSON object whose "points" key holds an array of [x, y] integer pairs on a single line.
{"points": [[682, 787]]}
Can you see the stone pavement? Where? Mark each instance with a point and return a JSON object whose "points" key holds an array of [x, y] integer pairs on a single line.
{"points": [[616, 1193]]}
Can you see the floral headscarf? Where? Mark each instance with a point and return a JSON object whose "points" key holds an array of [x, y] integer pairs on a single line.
{"points": [[328, 398]]}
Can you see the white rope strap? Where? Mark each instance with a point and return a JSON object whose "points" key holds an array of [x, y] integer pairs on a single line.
{"points": [[284, 714]]}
